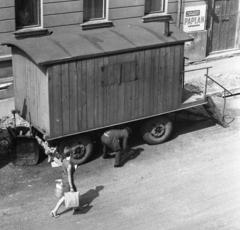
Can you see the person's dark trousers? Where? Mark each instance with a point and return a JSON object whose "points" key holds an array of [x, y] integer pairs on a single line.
{"points": [[105, 150], [118, 155]]}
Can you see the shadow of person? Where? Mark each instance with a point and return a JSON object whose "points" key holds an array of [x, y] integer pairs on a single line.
{"points": [[86, 199], [130, 155]]}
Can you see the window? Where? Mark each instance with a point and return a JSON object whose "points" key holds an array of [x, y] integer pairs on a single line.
{"points": [[95, 14], [94, 10], [154, 6], [156, 10], [27, 13], [123, 72]]}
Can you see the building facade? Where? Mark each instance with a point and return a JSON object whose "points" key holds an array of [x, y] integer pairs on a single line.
{"points": [[214, 24]]}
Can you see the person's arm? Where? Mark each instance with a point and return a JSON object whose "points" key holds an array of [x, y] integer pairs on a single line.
{"points": [[70, 179]]}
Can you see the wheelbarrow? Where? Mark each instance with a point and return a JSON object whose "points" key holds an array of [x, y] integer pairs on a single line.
{"points": [[25, 147]]}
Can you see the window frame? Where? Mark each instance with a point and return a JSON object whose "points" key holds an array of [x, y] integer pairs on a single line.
{"points": [[39, 17], [96, 23], [153, 16], [105, 13], [164, 11]]}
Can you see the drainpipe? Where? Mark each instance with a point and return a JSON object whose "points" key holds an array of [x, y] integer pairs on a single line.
{"points": [[179, 12]]}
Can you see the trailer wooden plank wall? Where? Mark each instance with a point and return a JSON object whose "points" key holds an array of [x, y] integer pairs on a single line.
{"points": [[30, 88], [93, 93]]}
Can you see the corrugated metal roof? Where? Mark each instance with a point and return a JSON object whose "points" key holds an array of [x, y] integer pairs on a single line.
{"points": [[84, 44]]}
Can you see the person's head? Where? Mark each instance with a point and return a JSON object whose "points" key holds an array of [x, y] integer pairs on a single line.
{"points": [[129, 130], [67, 153]]}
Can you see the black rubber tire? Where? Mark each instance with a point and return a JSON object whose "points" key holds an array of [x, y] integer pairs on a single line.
{"points": [[150, 125], [75, 140]]}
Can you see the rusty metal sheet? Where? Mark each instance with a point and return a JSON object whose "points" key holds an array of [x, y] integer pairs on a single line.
{"points": [[76, 46], [40, 50], [141, 36], [84, 44]]}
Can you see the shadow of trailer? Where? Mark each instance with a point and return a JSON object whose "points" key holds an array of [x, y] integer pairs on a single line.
{"points": [[72, 84]]}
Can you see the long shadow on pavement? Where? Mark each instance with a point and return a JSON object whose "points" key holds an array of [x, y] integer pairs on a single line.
{"points": [[85, 200]]}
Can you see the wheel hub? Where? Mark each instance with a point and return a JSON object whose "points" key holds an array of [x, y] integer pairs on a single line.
{"points": [[79, 151], [158, 130]]}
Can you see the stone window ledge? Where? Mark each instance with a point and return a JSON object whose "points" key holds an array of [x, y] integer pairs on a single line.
{"points": [[96, 24], [162, 17], [31, 32]]}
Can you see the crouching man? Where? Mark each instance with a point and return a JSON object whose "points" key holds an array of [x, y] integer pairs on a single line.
{"points": [[117, 141]]}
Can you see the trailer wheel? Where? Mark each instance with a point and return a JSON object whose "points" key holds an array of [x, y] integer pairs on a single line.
{"points": [[74, 141], [156, 130]]}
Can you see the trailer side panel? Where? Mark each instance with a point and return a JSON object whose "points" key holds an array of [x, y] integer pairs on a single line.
{"points": [[98, 92]]}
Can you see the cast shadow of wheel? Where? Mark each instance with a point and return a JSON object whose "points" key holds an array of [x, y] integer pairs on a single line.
{"points": [[85, 200]]}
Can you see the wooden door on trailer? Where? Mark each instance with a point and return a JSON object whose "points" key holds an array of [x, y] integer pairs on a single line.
{"points": [[223, 14]]}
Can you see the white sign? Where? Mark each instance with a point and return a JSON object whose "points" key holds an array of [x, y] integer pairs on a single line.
{"points": [[194, 18]]}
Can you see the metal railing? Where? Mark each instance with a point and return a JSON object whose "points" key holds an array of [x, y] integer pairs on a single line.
{"points": [[224, 93], [205, 91], [225, 90], [207, 70]]}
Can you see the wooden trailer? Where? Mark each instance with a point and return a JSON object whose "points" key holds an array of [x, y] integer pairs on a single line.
{"points": [[79, 81]]}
